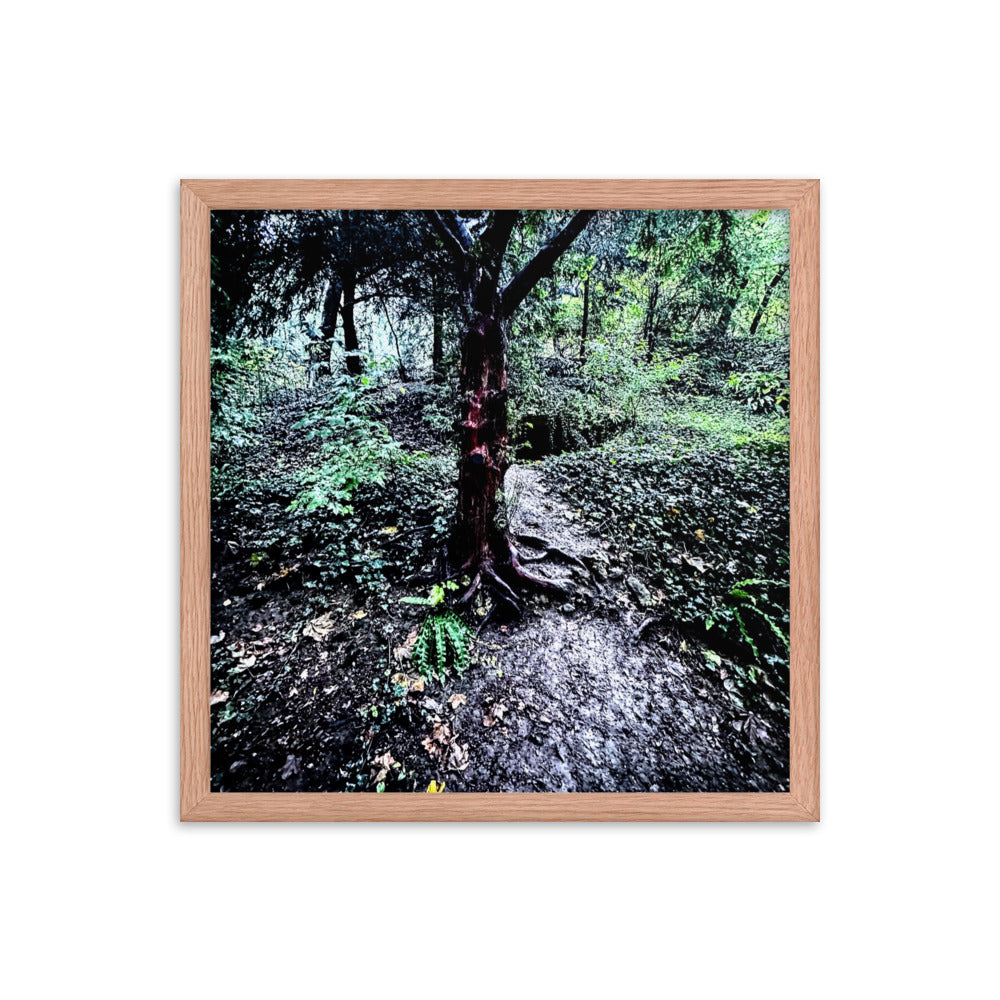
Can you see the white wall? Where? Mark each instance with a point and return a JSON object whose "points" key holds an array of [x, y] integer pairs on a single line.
{"points": [[107, 106]]}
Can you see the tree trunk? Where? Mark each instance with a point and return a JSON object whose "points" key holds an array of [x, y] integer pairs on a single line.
{"points": [[350, 330], [767, 298], [437, 346], [480, 545], [586, 313], [328, 328], [650, 324], [403, 376], [484, 441], [726, 316]]}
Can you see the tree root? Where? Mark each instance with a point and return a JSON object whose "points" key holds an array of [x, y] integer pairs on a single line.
{"points": [[534, 542], [536, 581], [504, 577]]}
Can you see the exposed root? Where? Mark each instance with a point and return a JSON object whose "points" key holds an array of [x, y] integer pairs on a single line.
{"points": [[536, 581], [502, 590], [646, 624], [471, 592], [535, 542]]}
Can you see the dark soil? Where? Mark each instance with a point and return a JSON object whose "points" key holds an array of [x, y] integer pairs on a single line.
{"points": [[597, 693]]}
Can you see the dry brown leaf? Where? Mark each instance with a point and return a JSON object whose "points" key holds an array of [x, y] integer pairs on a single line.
{"points": [[494, 715], [381, 766], [417, 685], [215, 639], [458, 756], [319, 628], [359, 614], [403, 652], [457, 699], [218, 697]]}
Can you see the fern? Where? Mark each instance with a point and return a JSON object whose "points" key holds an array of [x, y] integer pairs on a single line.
{"points": [[442, 645]]}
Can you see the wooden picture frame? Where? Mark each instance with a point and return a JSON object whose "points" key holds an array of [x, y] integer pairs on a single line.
{"points": [[198, 199]]}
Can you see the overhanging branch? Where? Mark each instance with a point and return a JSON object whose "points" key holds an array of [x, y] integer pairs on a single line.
{"points": [[539, 265], [453, 232]]}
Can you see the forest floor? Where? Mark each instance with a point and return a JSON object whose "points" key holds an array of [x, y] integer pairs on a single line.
{"points": [[313, 689]]}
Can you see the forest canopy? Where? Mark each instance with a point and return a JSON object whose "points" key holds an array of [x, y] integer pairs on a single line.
{"points": [[532, 421]]}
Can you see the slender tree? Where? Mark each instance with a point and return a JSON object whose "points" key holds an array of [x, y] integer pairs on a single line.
{"points": [[769, 291], [479, 545]]}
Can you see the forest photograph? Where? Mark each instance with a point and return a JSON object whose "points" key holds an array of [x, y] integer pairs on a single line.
{"points": [[499, 501]]}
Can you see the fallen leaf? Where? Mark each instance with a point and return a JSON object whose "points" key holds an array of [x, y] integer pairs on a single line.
{"points": [[382, 765], [291, 766], [700, 535], [494, 715], [359, 614], [215, 639], [226, 603], [458, 757], [389, 530], [699, 564], [319, 628], [404, 651], [218, 697], [417, 685], [457, 699], [304, 674], [435, 787]]}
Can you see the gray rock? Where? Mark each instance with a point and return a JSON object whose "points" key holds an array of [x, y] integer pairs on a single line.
{"points": [[640, 591]]}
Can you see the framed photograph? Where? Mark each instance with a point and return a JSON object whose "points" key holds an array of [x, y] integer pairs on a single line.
{"points": [[499, 500]]}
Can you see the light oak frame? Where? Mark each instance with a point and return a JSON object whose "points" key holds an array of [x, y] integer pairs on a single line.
{"points": [[198, 199]]}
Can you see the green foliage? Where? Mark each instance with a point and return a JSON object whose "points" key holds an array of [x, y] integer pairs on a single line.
{"points": [[762, 392], [355, 448], [435, 597], [626, 382], [442, 645], [443, 640]]}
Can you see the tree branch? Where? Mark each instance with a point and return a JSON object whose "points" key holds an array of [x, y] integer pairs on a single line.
{"points": [[495, 238], [453, 233], [518, 287]]}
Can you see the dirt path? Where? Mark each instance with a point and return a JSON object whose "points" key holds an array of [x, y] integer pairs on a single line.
{"points": [[593, 693], [572, 699]]}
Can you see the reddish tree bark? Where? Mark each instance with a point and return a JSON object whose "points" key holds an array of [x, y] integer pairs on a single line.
{"points": [[479, 545]]}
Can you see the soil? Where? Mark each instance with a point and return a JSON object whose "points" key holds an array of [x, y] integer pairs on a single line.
{"points": [[595, 693]]}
